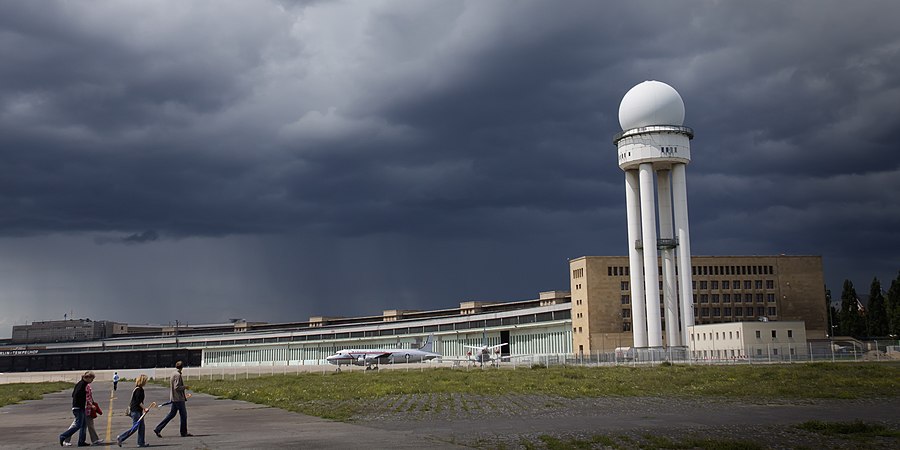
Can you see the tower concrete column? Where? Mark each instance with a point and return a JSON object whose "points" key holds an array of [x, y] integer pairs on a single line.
{"points": [[635, 258], [679, 196], [651, 267], [667, 253]]}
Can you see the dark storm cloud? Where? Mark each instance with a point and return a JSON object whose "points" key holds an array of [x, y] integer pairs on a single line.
{"points": [[137, 238], [393, 124]]}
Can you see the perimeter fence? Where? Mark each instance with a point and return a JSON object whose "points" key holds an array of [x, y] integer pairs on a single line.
{"points": [[821, 351]]}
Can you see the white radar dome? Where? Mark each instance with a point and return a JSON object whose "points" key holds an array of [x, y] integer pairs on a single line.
{"points": [[651, 103]]}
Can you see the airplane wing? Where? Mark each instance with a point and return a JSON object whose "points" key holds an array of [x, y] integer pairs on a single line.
{"points": [[375, 355], [485, 348]]}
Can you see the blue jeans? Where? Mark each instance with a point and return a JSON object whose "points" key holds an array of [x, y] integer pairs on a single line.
{"points": [[77, 426], [181, 409], [135, 426]]}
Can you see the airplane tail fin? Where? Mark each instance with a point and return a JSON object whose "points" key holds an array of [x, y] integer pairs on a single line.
{"points": [[429, 344]]}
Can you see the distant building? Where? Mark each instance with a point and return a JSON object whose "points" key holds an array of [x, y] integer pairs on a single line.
{"points": [[77, 330], [145, 329], [759, 339], [725, 289], [234, 325], [71, 330]]}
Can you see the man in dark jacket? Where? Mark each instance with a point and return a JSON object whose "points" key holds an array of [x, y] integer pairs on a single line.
{"points": [[79, 396]]}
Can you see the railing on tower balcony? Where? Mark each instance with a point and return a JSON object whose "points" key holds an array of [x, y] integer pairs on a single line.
{"points": [[661, 244]]}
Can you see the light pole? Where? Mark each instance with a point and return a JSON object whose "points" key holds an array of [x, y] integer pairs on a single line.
{"points": [[862, 310], [830, 322]]}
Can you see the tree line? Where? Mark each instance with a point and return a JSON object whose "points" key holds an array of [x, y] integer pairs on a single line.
{"points": [[879, 317]]}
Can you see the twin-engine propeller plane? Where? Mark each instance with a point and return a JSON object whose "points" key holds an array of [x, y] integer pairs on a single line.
{"points": [[373, 356], [484, 354]]}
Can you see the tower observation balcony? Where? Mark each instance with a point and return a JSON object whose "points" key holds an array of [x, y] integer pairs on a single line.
{"points": [[660, 145], [689, 132], [661, 244]]}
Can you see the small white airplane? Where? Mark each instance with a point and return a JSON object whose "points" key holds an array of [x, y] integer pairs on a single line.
{"points": [[373, 356], [490, 354], [485, 353]]}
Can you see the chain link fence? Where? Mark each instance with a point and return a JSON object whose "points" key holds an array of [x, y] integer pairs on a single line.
{"points": [[848, 350]]}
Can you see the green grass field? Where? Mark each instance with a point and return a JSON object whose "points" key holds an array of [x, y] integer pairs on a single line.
{"points": [[340, 395], [17, 392], [648, 441], [855, 429]]}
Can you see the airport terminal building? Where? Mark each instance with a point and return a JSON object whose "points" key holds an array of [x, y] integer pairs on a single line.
{"points": [[591, 318], [725, 289], [534, 327]]}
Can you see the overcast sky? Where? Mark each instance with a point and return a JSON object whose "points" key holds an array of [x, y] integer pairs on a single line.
{"points": [[200, 161]]}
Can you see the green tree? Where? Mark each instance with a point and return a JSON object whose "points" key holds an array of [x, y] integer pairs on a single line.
{"points": [[876, 314], [851, 321], [892, 306]]}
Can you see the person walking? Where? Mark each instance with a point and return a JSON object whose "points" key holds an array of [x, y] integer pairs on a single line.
{"points": [[115, 381], [79, 397], [178, 399], [91, 410], [135, 411]]}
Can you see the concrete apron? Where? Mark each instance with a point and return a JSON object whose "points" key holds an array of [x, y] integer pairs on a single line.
{"points": [[214, 424]]}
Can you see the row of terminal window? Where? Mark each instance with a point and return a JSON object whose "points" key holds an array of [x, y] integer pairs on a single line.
{"points": [[714, 284], [623, 271], [733, 284], [734, 335], [732, 270], [736, 298], [702, 336], [726, 312], [719, 298], [737, 311]]}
